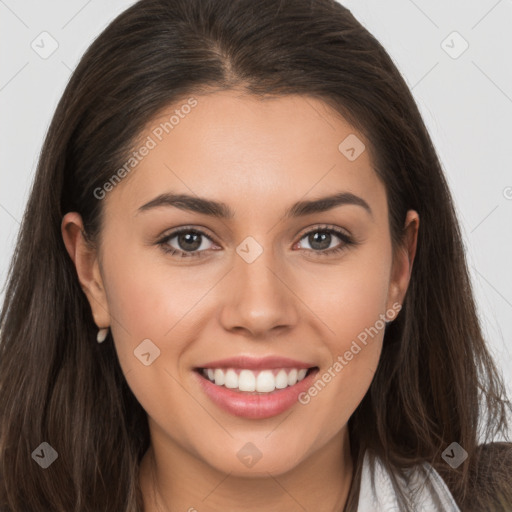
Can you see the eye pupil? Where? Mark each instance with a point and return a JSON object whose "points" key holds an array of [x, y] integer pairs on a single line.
{"points": [[189, 237], [323, 236]]}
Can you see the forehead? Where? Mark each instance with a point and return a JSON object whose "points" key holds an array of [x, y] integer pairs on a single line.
{"points": [[248, 152]]}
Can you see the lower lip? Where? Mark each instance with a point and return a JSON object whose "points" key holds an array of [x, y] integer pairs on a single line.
{"points": [[255, 406]]}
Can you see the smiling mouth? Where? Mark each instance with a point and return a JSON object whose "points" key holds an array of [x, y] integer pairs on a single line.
{"points": [[255, 382]]}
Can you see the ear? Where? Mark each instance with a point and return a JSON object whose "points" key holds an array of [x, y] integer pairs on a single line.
{"points": [[403, 259], [87, 267]]}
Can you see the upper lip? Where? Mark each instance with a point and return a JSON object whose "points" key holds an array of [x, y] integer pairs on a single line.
{"points": [[257, 363]]}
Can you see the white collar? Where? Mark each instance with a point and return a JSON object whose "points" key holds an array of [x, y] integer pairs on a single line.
{"points": [[382, 497]]}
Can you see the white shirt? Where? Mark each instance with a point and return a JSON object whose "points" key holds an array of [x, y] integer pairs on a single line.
{"points": [[382, 497]]}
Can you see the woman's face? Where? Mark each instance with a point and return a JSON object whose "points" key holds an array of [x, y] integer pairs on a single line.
{"points": [[272, 287]]}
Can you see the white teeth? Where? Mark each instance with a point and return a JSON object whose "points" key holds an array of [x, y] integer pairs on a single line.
{"points": [[219, 377], [281, 380], [231, 380], [247, 381], [292, 377], [264, 381]]}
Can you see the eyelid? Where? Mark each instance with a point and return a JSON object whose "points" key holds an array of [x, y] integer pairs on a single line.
{"points": [[206, 232], [319, 227], [185, 229]]}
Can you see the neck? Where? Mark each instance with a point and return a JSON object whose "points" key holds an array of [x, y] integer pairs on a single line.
{"points": [[320, 482]]}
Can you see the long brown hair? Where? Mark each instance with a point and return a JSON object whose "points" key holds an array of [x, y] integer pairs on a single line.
{"points": [[436, 382]]}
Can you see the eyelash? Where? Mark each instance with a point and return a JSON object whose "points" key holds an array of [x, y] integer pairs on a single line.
{"points": [[347, 241]]}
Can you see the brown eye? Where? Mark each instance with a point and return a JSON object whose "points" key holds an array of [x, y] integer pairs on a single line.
{"points": [[320, 241], [188, 243]]}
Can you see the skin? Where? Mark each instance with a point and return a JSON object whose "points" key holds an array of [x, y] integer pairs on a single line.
{"points": [[259, 157]]}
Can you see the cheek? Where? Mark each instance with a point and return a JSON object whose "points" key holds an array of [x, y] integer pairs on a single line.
{"points": [[153, 300], [146, 299], [351, 297], [152, 313], [144, 304], [352, 306]]}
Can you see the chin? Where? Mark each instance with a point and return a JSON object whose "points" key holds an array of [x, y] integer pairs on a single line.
{"points": [[249, 462]]}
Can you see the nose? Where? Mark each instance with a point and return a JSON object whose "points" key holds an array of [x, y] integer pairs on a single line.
{"points": [[259, 298]]}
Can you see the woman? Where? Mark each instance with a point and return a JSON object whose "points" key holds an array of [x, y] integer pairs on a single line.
{"points": [[317, 336]]}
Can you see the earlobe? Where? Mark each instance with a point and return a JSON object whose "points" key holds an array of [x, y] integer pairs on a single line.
{"points": [[87, 267], [403, 259]]}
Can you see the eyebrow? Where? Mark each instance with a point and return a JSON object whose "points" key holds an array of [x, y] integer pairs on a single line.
{"points": [[223, 211]]}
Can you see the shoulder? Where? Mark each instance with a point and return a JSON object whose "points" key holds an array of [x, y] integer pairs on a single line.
{"points": [[493, 459], [489, 484], [421, 487], [490, 478]]}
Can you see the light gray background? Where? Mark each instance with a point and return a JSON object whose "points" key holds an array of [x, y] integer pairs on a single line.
{"points": [[466, 103]]}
